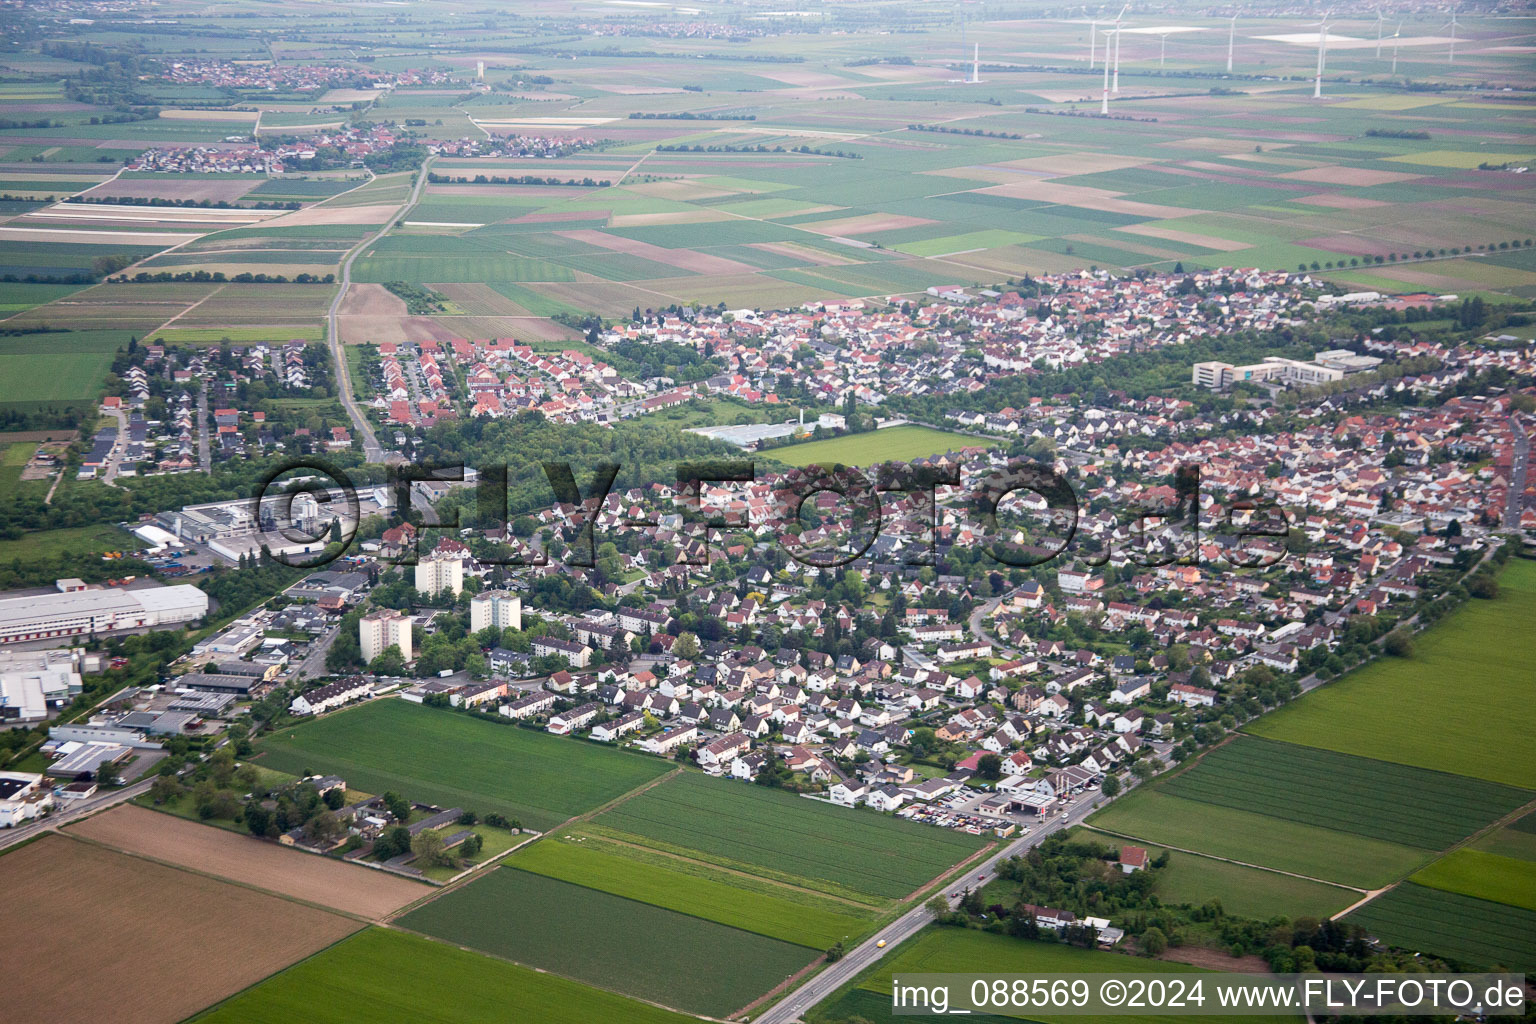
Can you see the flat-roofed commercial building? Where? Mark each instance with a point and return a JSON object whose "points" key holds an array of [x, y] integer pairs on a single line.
{"points": [[84, 612]]}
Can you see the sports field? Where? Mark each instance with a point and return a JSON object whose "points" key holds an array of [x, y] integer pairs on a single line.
{"points": [[893, 444], [1252, 838], [689, 887], [420, 980], [614, 943], [1488, 876], [1461, 704], [451, 760], [937, 950], [755, 827], [1390, 802], [1477, 932]]}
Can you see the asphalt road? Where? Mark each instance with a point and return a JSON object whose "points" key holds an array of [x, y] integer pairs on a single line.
{"points": [[372, 450], [1518, 475], [63, 816], [793, 1006]]}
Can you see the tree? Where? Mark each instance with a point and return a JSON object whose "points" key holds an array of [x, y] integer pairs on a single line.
{"points": [[686, 646], [393, 842], [258, 819], [1399, 644], [1153, 941], [398, 806], [990, 766], [334, 798], [323, 829], [835, 953], [428, 847], [472, 845], [165, 788], [1111, 785], [390, 662]]}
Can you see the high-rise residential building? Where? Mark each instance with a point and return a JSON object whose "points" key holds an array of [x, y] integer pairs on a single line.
{"points": [[499, 608], [440, 571], [382, 629]]}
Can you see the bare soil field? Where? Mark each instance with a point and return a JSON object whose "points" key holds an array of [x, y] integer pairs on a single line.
{"points": [[1081, 195], [801, 252], [478, 299], [523, 328], [361, 330], [369, 214], [638, 220], [213, 189], [866, 224], [159, 943], [1336, 175], [1187, 237], [371, 300], [329, 883], [683, 259], [1338, 202]]}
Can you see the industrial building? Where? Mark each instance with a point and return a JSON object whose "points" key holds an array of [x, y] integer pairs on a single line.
{"points": [[23, 796], [1324, 368], [31, 682], [98, 611]]}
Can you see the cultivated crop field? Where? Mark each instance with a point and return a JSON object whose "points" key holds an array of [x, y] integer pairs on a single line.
{"points": [[252, 862], [1476, 693], [614, 943], [132, 922], [1390, 802], [1488, 876], [1253, 838], [1477, 932], [422, 980], [755, 827], [894, 444], [452, 760], [689, 887], [937, 950]]}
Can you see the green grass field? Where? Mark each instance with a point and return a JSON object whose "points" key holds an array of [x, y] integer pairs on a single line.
{"points": [[47, 544], [1252, 838], [890, 445], [611, 942], [1243, 891], [1488, 876], [451, 760], [1474, 931], [751, 825], [1391, 802], [963, 951], [691, 888], [1460, 704], [423, 981]]}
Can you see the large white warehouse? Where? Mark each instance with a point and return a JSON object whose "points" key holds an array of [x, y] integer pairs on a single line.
{"points": [[81, 612]]}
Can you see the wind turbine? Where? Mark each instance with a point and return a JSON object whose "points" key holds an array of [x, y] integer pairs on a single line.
{"points": [[1395, 36], [1162, 52], [1093, 39], [1380, 21], [1231, 38], [1104, 107], [1322, 52], [1116, 88], [1450, 57]]}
